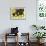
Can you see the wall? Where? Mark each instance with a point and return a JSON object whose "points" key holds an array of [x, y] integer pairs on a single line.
{"points": [[24, 25]]}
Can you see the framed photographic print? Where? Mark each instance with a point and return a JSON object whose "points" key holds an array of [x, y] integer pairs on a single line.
{"points": [[41, 12], [17, 13], [41, 8]]}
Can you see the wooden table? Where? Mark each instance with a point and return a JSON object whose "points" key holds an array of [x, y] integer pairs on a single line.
{"points": [[8, 34], [27, 37]]}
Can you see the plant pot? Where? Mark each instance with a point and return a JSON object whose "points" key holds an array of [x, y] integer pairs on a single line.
{"points": [[38, 42]]}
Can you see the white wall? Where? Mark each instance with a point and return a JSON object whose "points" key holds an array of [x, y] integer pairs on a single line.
{"points": [[24, 25]]}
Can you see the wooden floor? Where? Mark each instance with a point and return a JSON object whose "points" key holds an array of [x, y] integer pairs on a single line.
{"points": [[13, 44]]}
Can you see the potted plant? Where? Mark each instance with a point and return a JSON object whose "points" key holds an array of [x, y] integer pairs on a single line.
{"points": [[39, 35]]}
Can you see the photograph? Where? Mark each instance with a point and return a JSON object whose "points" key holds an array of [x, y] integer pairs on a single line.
{"points": [[17, 13]]}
